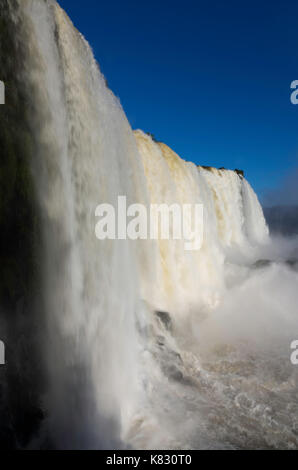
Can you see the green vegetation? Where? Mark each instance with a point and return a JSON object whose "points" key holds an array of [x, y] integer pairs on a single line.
{"points": [[208, 168], [152, 137], [240, 173]]}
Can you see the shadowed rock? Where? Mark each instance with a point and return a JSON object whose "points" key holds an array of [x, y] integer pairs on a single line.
{"points": [[165, 319]]}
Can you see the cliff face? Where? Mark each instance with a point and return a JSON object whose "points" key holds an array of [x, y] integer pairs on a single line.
{"points": [[20, 239]]}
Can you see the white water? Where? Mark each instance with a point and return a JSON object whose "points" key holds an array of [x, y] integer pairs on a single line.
{"points": [[92, 288], [118, 377]]}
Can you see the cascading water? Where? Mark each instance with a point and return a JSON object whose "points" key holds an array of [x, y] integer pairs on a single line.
{"points": [[120, 370]]}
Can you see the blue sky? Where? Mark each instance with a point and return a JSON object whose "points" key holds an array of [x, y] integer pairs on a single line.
{"points": [[211, 78]]}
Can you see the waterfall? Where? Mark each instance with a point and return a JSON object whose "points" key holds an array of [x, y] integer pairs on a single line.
{"points": [[233, 218], [88, 155], [123, 321]]}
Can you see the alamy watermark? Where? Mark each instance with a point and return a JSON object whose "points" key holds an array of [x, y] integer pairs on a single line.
{"points": [[294, 94], [159, 221], [2, 353], [2, 93], [294, 355]]}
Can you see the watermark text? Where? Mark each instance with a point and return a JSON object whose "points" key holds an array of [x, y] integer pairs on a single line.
{"points": [[294, 355], [294, 94], [2, 93], [2, 353], [159, 221]]}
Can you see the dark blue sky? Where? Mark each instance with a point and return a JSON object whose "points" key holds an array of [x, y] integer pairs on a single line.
{"points": [[211, 78]]}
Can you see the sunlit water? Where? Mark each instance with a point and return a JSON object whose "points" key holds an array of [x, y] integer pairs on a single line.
{"points": [[213, 373]]}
